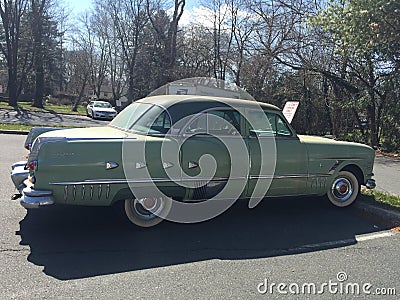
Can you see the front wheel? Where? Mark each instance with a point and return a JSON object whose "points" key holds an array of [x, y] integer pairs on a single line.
{"points": [[344, 189], [147, 212]]}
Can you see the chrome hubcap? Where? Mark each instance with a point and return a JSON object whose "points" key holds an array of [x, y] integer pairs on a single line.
{"points": [[342, 189], [148, 208]]}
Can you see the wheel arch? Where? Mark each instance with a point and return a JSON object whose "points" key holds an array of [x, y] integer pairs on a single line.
{"points": [[356, 170]]}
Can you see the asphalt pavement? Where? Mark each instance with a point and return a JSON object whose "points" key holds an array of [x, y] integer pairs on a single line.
{"points": [[66, 252], [387, 174]]}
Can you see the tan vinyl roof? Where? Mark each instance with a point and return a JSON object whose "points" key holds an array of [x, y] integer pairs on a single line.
{"points": [[168, 100]]}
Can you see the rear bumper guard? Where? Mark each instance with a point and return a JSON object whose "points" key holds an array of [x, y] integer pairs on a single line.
{"points": [[18, 175], [32, 198]]}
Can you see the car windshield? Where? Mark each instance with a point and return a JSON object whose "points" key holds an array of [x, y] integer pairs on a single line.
{"points": [[143, 118], [102, 104]]}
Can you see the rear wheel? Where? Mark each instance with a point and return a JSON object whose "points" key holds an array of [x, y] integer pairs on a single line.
{"points": [[344, 189], [147, 212]]}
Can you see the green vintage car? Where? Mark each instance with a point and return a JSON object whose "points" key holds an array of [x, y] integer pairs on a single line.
{"points": [[188, 158]]}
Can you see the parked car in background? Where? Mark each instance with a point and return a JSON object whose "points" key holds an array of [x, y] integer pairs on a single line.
{"points": [[100, 110]]}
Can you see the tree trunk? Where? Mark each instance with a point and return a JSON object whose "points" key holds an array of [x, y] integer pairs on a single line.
{"points": [[373, 125], [37, 11], [80, 96], [12, 88], [131, 81]]}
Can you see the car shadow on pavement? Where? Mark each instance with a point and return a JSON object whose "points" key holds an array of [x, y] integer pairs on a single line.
{"points": [[80, 242]]}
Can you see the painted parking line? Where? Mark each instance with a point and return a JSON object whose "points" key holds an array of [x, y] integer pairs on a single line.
{"points": [[340, 243], [373, 236]]}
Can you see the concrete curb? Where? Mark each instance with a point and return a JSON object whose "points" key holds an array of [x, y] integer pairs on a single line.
{"points": [[19, 132], [383, 215]]}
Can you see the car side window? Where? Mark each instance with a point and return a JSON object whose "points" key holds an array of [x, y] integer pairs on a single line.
{"points": [[281, 127], [264, 123], [223, 122], [154, 120], [162, 123]]}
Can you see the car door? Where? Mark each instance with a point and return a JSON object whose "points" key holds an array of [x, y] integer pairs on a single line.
{"points": [[281, 171], [214, 157]]}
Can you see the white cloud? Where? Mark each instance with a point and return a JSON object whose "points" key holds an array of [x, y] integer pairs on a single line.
{"points": [[198, 15]]}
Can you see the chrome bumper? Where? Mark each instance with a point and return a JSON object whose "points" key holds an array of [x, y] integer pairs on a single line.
{"points": [[19, 174], [370, 184], [21, 163], [32, 198]]}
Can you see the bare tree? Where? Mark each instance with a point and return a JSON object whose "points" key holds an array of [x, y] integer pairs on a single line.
{"points": [[78, 73], [166, 32], [129, 19], [11, 13], [38, 12], [96, 45], [111, 53]]}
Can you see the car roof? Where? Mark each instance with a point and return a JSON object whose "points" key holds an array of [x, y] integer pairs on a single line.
{"points": [[211, 101], [98, 101]]}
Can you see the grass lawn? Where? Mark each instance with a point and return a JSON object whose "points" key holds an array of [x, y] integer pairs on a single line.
{"points": [[19, 127], [22, 127], [59, 109], [383, 198]]}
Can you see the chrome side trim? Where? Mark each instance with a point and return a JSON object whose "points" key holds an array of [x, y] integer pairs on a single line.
{"points": [[192, 165], [99, 191], [143, 180], [167, 165], [335, 166], [185, 179], [336, 158], [318, 175], [140, 165], [108, 191], [83, 192], [111, 165], [98, 139], [289, 176], [65, 193]]}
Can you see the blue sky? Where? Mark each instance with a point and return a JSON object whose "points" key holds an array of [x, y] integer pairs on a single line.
{"points": [[79, 6]]}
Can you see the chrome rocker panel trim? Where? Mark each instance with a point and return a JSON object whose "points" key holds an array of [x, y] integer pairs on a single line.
{"points": [[35, 198]]}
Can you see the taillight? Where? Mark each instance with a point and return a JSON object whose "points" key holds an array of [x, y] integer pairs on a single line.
{"points": [[28, 146], [32, 165]]}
